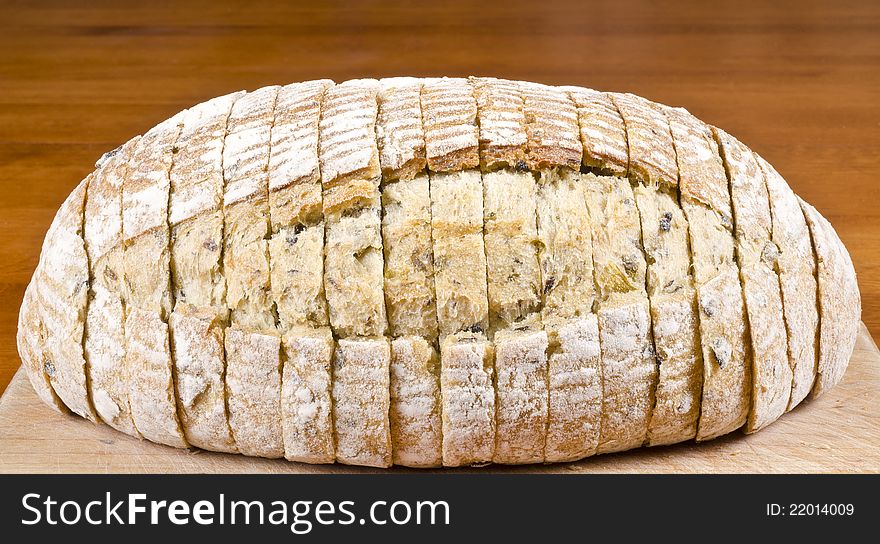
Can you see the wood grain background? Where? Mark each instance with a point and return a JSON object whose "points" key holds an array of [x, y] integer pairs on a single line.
{"points": [[798, 81]]}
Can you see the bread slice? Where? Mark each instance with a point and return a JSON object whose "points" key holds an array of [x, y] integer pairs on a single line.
{"points": [[416, 426], [521, 395], [104, 345], [148, 296], [568, 295], [449, 119], [468, 399], [674, 319], [705, 200], [295, 207], [200, 371], [566, 247], [399, 133], [246, 210], [361, 402], [353, 275], [196, 324], [756, 255], [510, 231], [409, 260], [629, 368], [195, 205], [306, 400], [459, 254], [406, 211], [350, 176], [61, 293], [840, 304], [603, 136], [253, 391], [796, 267], [151, 393]]}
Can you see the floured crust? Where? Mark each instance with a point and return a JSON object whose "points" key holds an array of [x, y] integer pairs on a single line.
{"points": [[449, 119], [468, 399], [796, 266], [399, 131], [361, 401], [253, 392], [602, 132], [727, 376], [521, 395], [574, 410], [197, 344], [151, 385], [416, 425], [147, 298], [347, 143], [705, 200], [502, 123], [840, 304], [32, 349], [306, 401], [552, 127]]}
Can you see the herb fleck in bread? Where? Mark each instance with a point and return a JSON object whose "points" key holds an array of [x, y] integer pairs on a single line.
{"points": [[435, 272]]}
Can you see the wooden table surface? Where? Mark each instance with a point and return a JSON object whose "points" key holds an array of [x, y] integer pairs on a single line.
{"points": [[798, 81]]}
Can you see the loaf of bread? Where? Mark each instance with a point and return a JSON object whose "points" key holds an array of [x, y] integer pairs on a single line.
{"points": [[435, 272]]}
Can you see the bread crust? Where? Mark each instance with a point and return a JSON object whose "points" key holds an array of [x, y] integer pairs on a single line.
{"points": [[602, 132], [467, 369], [502, 123], [361, 402], [253, 391], [521, 396], [551, 126], [399, 132], [416, 425], [449, 119], [306, 399]]}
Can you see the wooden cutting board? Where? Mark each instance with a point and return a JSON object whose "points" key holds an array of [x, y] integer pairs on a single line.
{"points": [[838, 433]]}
